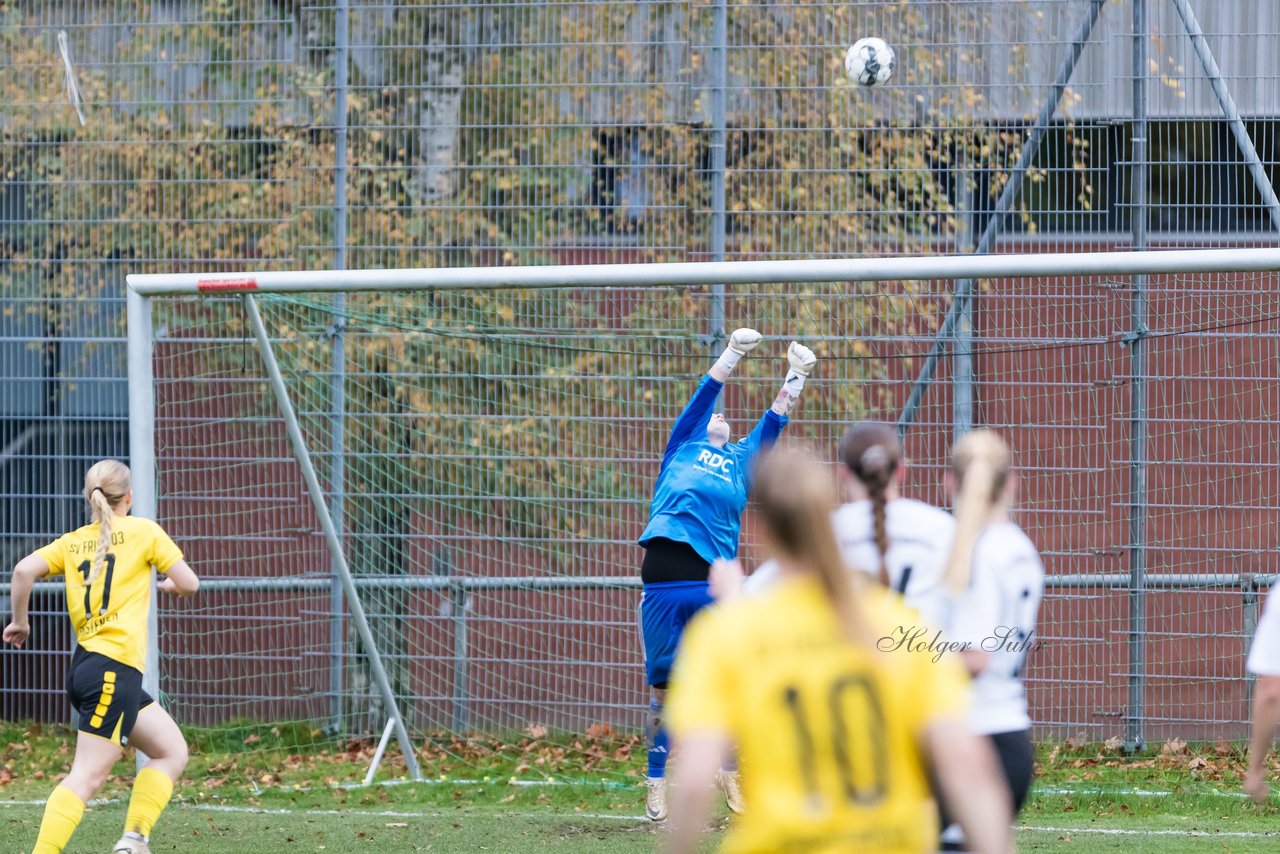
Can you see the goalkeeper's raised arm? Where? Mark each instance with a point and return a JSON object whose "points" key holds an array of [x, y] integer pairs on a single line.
{"points": [[696, 518], [697, 419]]}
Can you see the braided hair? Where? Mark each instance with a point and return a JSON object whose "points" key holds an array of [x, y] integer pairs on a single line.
{"points": [[872, 454]]}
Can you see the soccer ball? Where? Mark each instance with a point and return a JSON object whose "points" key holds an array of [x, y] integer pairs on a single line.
{"points": [[869, 62]]}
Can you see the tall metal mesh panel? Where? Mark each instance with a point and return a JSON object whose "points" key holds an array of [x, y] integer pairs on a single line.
{"points": [[174, 167]]}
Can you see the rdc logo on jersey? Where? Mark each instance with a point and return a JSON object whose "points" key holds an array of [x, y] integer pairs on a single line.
{"points": [[715, 461]]}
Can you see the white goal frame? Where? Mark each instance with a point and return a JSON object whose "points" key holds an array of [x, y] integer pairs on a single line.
{"points": [[964, 270]]}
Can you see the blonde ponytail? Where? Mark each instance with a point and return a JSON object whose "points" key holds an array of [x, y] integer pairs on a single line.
{"points": [[839, 582], [795, 497], [106, 484], [980, 466]]}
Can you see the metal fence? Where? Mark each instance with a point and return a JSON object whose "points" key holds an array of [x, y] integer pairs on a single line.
{"points": [[225, 135]]}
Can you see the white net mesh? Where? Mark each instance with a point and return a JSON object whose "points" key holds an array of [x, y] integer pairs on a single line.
{"points": [[497, 456]]}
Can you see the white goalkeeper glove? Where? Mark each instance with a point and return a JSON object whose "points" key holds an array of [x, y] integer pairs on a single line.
{"points": [[800, 362], [741, 342], [744, 340], [801, 359]]}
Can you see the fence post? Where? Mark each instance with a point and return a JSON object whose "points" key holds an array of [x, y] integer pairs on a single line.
{"points": [[443, 564], [963, 379], [337, 460], [719, 139], [461, 706], [1138, 394], [1249, 599]]}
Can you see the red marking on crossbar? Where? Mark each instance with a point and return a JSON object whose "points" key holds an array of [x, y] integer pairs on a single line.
{"points": [[227, 285]]}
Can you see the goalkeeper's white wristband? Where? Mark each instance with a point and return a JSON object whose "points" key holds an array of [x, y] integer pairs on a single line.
{"points": [[728, 360], [788, 395]]}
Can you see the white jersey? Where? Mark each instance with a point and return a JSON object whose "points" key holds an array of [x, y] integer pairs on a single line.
{"points": [[919, 537], [1264, 654], [997, 615]]}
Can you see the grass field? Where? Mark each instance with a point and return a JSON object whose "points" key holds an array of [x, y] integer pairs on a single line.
{"points": [[1174, 798]]}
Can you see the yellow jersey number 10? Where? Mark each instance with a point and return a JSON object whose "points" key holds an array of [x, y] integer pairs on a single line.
{"points": [[848, 697]]}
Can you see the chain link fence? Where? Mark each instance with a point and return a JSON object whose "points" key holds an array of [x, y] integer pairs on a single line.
{"points": [[223, 135]]}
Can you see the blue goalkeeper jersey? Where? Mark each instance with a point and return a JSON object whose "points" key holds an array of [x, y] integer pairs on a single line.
{"points": [[701, 489]]}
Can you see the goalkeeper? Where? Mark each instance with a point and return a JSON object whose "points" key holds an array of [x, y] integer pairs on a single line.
{"points": [[695, 518]]}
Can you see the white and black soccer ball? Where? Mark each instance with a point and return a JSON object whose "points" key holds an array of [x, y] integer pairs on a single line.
{"points": [[869, 62]]}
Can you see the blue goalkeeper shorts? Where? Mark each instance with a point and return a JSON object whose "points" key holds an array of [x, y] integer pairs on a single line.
{"points": [[665, 609]]}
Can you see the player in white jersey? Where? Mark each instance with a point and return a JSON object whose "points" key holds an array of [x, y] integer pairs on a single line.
{"points": [[1264, 662], [997, 580], [900, 541]]}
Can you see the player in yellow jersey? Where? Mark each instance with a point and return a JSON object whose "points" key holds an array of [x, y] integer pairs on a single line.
{"points": [[838, 731], [107, 566]]}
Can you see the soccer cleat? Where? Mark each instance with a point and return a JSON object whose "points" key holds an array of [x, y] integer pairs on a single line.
{"points": [[655, 805], [131, 843], [732, 788]]}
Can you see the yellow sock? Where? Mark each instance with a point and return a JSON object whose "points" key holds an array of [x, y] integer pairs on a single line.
{"points": [[61, 817], [151, 792]]}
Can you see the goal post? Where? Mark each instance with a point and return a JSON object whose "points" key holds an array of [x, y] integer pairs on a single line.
{"points": [[501, 430]]}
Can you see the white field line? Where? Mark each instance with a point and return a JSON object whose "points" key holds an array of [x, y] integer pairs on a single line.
{"points": [[513, 781], [96, 802], [1105, 831], [357, 813], [1146, 793], [354, 813]]}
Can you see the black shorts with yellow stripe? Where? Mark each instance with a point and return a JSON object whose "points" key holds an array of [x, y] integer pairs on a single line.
{"points": [[107, 694]]}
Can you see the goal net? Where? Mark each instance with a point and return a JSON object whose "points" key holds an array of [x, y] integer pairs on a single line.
{"points": [[487, 456]]}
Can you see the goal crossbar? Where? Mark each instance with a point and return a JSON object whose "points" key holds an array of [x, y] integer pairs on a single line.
{"points": [[725, 272]]}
